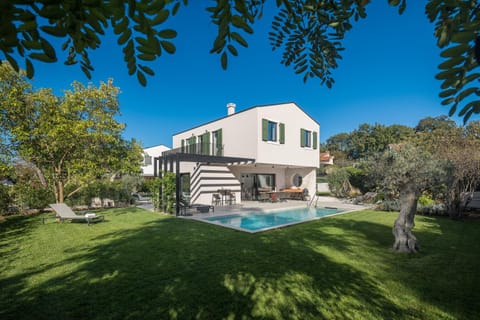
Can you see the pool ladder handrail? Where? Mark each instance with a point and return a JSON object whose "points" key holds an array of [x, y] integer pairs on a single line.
{"points": [[314, 198]]}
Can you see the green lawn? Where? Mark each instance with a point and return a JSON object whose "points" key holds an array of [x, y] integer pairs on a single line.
{"points": [[142, 265]]}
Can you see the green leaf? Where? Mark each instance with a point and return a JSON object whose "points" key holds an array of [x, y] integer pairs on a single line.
{"points": [[146, 57], [30, 69], [12, 62], [48, 49], [465, 94], [447, 101], [469, 106], [238, 22], [41, 57], [121, 27], [147, 70], [147, 50], [54, 31], [452, 62], [86, 72], [168, 46], [218, 45], [302, 69], [53, 12], [160, 18], [124, 37], [448, 93], [30, 44], [463, 37], [28, 25], [448, 73], [223, 61], [175, 8], [232, 50], [141, 78], [168, 34], [237, 37], [455, 51]]}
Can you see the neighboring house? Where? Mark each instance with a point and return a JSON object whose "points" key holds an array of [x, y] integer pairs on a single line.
{"points": [[262, 148], [148, 155], [326, 158]]}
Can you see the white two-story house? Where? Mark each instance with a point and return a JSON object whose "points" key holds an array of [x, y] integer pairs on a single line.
{"points": [[259, 149]]}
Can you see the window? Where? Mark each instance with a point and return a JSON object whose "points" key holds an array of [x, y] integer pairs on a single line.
{"points": [[308, 139], [272, 131], [297, 180], [147, 160], [305, 138]]}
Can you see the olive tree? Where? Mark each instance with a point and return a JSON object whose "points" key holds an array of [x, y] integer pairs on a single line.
{"points": [[407, 170]]}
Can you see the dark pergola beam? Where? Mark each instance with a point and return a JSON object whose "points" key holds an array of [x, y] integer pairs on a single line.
{"points": [[187, 157], [177, 186]]}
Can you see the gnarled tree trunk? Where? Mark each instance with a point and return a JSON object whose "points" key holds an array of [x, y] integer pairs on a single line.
{"points": [[405, 241]]}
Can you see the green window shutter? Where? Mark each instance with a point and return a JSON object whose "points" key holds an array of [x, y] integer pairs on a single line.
{"points": [[219, 143], [302, 138], [183, 145], [314, 138], [205, 142], [264, 129], [282, 133]]}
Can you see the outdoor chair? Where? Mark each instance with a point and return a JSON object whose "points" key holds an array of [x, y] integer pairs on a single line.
{"points": [[64, 212], [231, 198], [202, 208], [216, 199]]}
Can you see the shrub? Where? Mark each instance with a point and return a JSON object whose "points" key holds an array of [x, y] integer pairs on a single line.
{"points": [[167, 202], [437, 209], [425, 200], [5, 199], [28, 196], [118, 190], [389, 205], [338, 182], [357, 178]]}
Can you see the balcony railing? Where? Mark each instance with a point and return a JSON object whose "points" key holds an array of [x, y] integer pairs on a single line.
{"points": [[204, 149]]}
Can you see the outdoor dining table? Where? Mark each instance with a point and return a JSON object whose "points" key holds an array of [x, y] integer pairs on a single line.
{"points": [[294, 193]]}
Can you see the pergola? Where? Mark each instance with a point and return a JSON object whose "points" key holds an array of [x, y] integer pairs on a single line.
{"points": [[170, 161]]}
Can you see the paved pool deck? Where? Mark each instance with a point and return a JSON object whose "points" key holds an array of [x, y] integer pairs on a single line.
{"points": [[249, 206]]}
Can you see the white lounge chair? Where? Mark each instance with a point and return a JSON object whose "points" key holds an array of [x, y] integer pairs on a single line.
{"points": [[64, 212]]}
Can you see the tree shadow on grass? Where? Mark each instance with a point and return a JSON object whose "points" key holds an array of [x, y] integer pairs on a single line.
{"points": [[177, 269], [445, 272]]}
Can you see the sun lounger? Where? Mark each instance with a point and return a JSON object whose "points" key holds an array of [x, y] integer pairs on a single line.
{"points": [[64, 212], [202, 208]]}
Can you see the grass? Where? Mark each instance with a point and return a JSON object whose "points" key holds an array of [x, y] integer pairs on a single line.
{"points": [[142, 265]]}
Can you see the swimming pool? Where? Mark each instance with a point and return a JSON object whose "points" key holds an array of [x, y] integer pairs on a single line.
{"points": [[261, 221]]}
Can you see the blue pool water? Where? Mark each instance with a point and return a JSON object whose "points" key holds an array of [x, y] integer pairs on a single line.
{"points": [[258, 221]]}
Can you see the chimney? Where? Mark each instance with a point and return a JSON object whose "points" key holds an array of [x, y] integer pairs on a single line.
{"points": [[231, 108]]}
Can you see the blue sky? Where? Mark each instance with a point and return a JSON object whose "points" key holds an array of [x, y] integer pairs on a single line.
{"points": [[386, 76]]}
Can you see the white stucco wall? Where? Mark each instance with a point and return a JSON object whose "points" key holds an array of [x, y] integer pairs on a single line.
{"points": [[155, 151], [290, 153], [242, 135]]}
